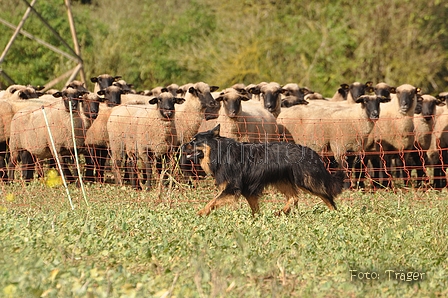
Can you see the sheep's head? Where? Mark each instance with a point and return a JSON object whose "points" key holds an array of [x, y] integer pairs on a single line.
{"points": [[202, 92], [22, 92], [371, 105], [383, 89], [91, 105], [270, 95], [71, 97], [231, 101], [426, 106], [104, 80], [165, 104], [76, 85], [125, 87], [294, 95], [358, 89], [407, 98], [112, 95]]}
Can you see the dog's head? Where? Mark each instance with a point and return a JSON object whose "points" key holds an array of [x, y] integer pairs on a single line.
{"points": [[199, 147]]}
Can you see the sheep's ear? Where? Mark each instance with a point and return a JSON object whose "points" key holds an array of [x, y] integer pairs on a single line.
{"points": [[213, 88], [179, 100], [94, 80], [360, 99], [116, 78], [345, 86], [164, 89], [215, 131], [39, 94], [369, 84], [306, 91], [393, 90], [370, 89], [192, 90], [244, 97], [220, 98], [153, 101], [255, 90], [440, 100], [57, 94], [418, 90], [101, 92], [419, 98], [384, 99]]}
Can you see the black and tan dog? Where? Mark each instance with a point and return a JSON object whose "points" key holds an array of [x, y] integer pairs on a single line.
{"points": [[246, 168]]}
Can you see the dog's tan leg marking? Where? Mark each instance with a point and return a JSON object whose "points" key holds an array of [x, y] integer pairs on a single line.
{"points": [[220, 200], [224, 199], [290, 192], [253, 203]]}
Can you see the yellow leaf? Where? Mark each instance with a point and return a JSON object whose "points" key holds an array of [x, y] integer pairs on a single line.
{"points": [[9, 290], [10, 197], [53, 274], [52, 178]]}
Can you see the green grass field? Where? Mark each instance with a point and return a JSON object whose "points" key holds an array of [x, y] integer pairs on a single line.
{"points": [[148, 244]]}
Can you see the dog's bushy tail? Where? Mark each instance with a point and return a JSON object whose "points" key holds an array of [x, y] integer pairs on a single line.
{"points": [[337, 184]]}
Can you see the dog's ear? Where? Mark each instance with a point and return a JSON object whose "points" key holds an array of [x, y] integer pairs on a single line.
{"points": [[215, 130]]}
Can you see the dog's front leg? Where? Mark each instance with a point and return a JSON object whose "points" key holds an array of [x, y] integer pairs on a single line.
{"points": [[223, 198]]}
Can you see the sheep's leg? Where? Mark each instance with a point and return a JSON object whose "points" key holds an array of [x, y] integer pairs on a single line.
{"points": [[116, 163], [3, 168], [148, 163], [134, 173], [27, 165], [102, 157], [90, 164]]}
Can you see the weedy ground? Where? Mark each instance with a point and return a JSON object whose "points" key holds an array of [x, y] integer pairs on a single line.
{"points": [[127, 243]]}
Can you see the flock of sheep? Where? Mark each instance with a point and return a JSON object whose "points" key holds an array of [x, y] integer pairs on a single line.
{"points": [[375, 133]]}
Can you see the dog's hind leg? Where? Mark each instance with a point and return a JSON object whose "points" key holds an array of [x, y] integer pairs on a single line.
{"points": [[253, 203], [290, 192]]}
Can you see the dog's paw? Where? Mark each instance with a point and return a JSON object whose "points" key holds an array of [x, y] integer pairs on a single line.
{"points": [[203, 212]]}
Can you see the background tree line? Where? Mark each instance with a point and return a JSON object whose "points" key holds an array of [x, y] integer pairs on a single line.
{"points": [[319, 44]]}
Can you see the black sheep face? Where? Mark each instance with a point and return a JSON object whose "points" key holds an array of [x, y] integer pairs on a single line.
{"points": [[165, 104], [104, 80]]}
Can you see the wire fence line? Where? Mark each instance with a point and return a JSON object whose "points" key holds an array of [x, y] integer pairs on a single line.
{"points": [[374, 164]]}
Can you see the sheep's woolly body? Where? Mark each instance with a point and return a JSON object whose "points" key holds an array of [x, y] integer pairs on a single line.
{"points": [[252, 123], [29, 130], [395, 128], [6, 114], [191, 113], [97, 133], [338, 128]]}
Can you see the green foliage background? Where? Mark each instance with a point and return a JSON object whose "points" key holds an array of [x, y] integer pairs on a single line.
{"points": [[319, 44]]}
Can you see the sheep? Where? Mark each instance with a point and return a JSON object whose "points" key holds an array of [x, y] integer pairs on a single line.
{"points": [[270, 96], [29, 132], [424, 120], [97, 138], [344, 130], [6, 114], [351, 92], [243, 123], [189, 115], [19, 92], [294, 95], [143, 132], [437, 153], [394, 131], [125, 87], [102, 81]]}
